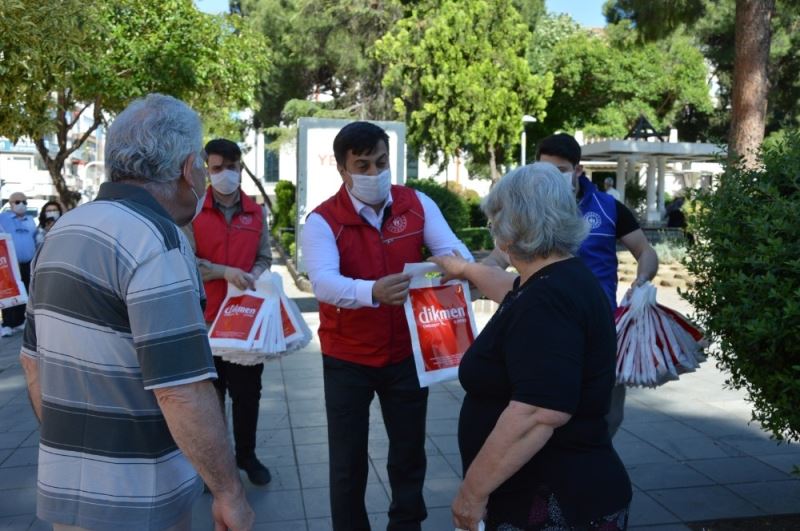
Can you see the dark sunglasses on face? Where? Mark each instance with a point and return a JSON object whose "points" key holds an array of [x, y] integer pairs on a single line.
{"points": [[18, 202]]}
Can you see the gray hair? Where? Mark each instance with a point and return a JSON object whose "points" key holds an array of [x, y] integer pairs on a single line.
{"points": [[532, 210], [151, 138]]}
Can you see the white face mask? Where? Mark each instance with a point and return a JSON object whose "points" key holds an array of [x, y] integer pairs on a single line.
{"points": [[199, 167], [225, 182], [372, 189], [569, 176], [200, 202], [19, 208], [52, 215]]}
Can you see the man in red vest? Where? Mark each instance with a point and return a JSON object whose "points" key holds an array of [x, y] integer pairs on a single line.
{"points": [[355, 245], [231, 241]]}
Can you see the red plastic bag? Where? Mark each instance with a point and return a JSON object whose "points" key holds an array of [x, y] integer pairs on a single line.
{"points": [[440, 321], [12, 290], [238, 320], [254, 326], [655, 344]]}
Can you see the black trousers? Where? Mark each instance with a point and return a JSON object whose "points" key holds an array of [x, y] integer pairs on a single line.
{"points": [[15, 315], [349, 389], [243, 384]]}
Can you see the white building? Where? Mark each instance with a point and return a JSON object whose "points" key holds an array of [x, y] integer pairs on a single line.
{"points": [[23, 170]]}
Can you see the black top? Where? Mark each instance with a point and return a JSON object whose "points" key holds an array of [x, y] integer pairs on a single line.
{"points": [[551, 344], [626, 221]]}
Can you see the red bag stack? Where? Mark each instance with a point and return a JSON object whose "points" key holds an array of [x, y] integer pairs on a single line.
{"points": [[655, 344]]}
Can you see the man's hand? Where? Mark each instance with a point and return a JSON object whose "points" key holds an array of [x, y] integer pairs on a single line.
{"points": [[232, 513], [391, 289], [239, 278]]}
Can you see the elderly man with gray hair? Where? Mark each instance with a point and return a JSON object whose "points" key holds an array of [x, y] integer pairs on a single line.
{"points": [[115, 351], [534, 442]]}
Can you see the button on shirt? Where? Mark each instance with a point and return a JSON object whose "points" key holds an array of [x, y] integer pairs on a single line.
{"points": [[23, 233], [321, 254]]}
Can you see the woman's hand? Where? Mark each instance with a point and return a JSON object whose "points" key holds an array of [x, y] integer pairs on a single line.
{"points": [[453, 265], [468, 509]]}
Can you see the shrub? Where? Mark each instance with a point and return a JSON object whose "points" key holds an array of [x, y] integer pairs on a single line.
{"points": [[476, 216], [746, 264], [670, 252], [453, 207], [287, 239], [284, 203], [476, 238]]}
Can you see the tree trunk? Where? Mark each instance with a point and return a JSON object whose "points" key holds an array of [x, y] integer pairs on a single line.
{"points": [[495, 175], [68, 198], [258, 185], [750, 82], [55, 167]]}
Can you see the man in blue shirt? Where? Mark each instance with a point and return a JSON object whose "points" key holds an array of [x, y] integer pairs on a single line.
{"points": [[22, 229]]}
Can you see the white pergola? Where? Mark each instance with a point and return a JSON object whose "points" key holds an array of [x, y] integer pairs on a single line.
{"points": [[627, 153]]}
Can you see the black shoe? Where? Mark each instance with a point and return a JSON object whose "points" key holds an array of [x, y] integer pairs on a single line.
{"points": [[257, 473]]}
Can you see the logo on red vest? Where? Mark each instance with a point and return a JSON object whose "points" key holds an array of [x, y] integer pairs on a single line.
{"points": [[398, 225], [245, 219]]}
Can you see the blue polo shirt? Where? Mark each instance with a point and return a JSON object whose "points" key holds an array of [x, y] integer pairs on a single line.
{"points": [[23, 232]]}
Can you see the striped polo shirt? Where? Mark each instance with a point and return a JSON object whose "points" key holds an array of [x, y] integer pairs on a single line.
{"points": [[114, 312]]}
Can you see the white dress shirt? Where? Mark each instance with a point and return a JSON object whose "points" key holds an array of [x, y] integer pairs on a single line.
{"points": [[321, 255]]}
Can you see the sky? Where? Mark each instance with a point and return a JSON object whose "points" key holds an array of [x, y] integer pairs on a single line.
{"points": [[586, 12]]}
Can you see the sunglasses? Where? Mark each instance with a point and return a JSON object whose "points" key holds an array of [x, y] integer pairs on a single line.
{"points": [[18, 202]]}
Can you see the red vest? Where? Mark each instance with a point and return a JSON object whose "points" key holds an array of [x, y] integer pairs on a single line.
{"points": [[371, 336], [233, 245]]}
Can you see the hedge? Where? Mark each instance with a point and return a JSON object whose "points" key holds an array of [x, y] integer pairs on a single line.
{"points": [[476, 238], [746, 264], [454, 207]]}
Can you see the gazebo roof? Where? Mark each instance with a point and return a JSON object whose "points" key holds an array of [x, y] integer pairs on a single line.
{"points": [[610, 150]]}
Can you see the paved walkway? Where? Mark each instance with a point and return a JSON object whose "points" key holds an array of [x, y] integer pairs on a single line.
{"points": [[689, 450]]}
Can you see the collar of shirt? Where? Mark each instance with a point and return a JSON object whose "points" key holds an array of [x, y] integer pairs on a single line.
{"points": [[236, 204], [367, 212], [120, 191]]}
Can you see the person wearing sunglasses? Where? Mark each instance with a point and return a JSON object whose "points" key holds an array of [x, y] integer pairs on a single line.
{"points": [[22, 229]]}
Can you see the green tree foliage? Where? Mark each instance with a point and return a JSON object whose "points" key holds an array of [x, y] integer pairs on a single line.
{"points": [[61, 57], [460, 78], [711, 23], [549, 31], [747, 289], [603, 82], [324, 47], [531, 11], [657, 18], [453, 206]]}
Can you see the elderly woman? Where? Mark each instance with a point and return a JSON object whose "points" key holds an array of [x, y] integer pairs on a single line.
{"points": [[534, 442]]}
